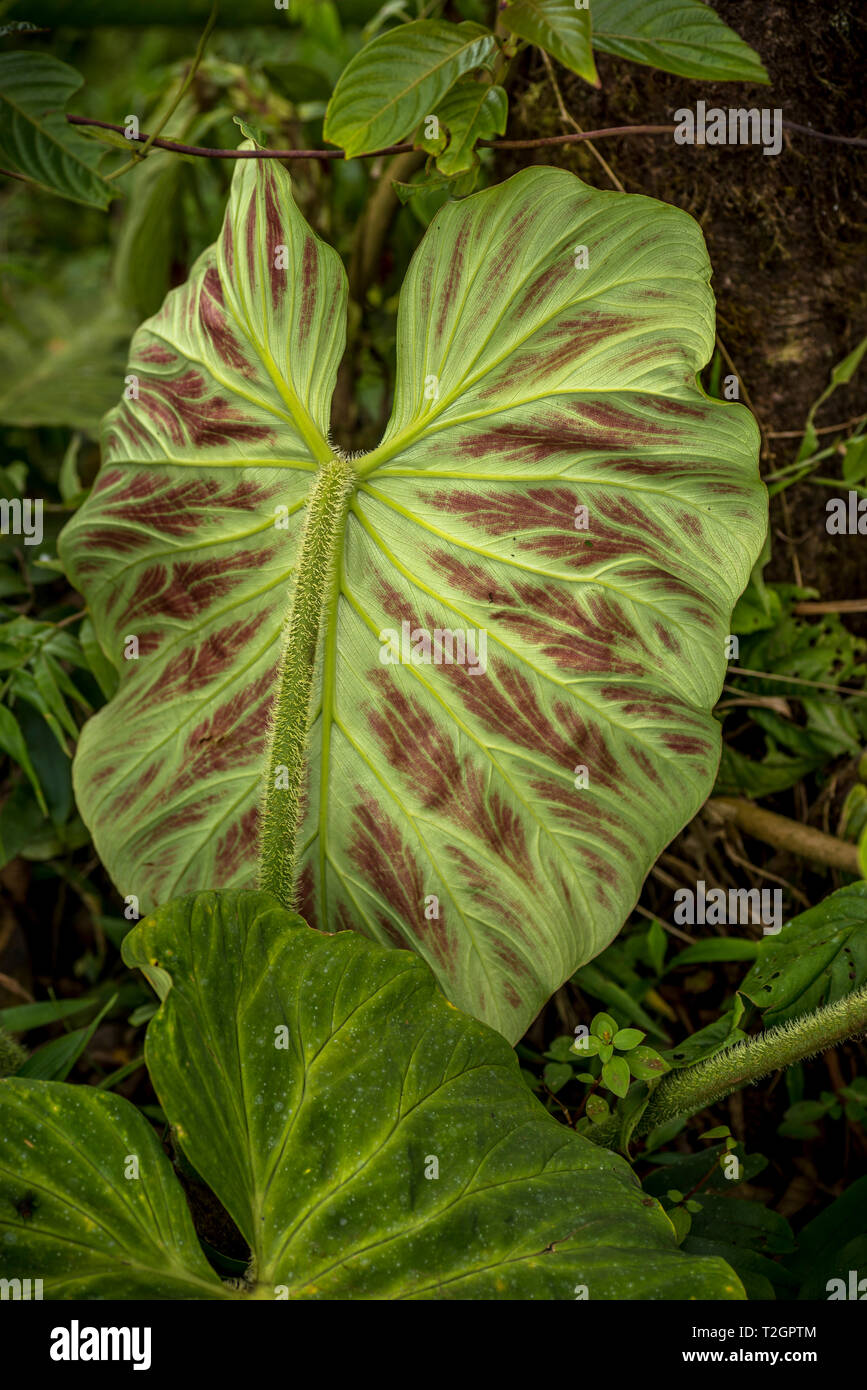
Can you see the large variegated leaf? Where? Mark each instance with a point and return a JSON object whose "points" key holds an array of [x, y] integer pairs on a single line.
{"points": [[548, 342]]}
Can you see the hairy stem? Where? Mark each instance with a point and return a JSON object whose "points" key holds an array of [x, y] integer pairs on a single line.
{"points": [[314, 577], [691, 1089]]}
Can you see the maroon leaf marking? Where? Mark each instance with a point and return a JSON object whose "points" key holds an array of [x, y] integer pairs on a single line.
{"points": [[567, 805], [448, 294], [305, 896], [150, 499], [191, 587], [505, 912], [132, 793], [237, 847], [425, 755], [391, 869], [646, 764], [544, 285], [194, 667], [273, 238], [549, 619], [231, 736], [215, 325], [570, 337], [157, 355], [309, 266], [188, 413]]}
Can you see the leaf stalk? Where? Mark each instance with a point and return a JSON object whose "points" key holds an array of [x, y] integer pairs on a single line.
{"points": [[316, 572]]}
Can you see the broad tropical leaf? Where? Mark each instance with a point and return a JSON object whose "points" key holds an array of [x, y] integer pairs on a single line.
{"points": [[398, 79], [36, 140], [76, 1213], [818, 957], [544, 748], [559, 27], [369, 1140], [681, 36]]}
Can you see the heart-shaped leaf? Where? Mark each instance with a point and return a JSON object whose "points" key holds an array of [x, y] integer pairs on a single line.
{"points": [[397, 80], [36, 140], [369, 1140], [522, 632]]}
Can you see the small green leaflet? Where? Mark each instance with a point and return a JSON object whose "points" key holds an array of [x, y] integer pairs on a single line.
{"points": [[398, 79], [818, 957], [554, 495], [471, 111], [36, 140]]}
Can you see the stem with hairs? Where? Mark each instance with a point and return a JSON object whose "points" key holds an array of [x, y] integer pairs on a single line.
{"points": [[316, 575], [691, 1089]]}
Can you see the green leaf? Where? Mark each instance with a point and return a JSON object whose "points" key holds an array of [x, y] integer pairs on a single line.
{"points": [[817, 958], [615, 1075], [398, 79], [722, 1033], [597, 1108], [826, 1248], [442, 810], [20, 1018], [715, 948], [604, 1027], [471, 111], [103, 672], [685, 37], [558, 27], [718, 1132], [312, 1081], [12, 742], [142, 263], [36, 140], [556, 1075], [646, 1064], [657, 946], [626, 1038], [594, 980], [55, 1060], [71, 1216], [681, 1221]]}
